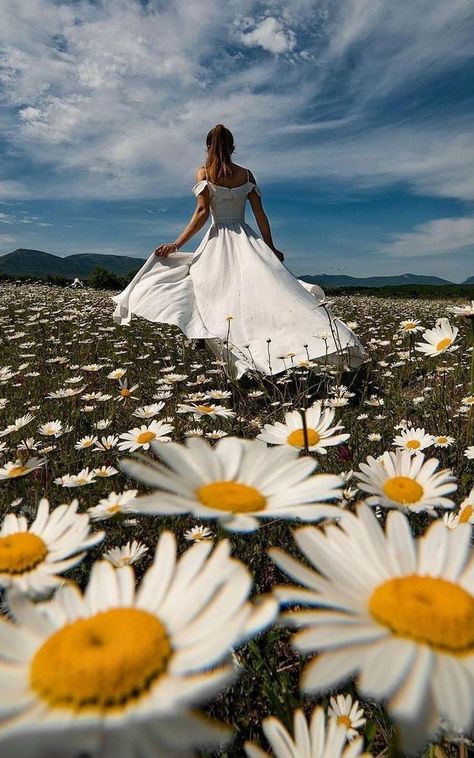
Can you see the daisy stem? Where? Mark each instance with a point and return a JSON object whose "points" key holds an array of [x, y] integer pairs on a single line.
{"points": [[305, 432]]}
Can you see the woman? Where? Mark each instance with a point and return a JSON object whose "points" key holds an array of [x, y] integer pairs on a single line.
{"points": [[234, 291]]}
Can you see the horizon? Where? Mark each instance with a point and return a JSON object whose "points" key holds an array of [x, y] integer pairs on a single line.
{"points": [[358, 131]]}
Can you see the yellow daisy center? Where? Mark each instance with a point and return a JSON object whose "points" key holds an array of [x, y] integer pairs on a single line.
{"points": [[145, 437], [413, 444], [17, 471], [466, 514], [426, 609], [102, 662], [403, 490], [206, 408], [345, 720], [409, 325], [442, 440], [444, 343], [125, 392], [231, 496], [296, 438], [21, 552]]}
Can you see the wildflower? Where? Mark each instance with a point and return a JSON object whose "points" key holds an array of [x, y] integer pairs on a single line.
{"points": [[319, 432]]}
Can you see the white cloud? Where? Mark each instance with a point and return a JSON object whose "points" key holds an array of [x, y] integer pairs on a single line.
{"points": [[270, 34], [113, 99], [443, 236]]}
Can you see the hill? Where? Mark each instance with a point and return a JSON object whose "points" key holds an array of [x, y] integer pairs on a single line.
{"points": [[335, 280], [37, 263]]}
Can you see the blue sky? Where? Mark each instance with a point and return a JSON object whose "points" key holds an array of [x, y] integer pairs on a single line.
{"points": [[354, 115]]}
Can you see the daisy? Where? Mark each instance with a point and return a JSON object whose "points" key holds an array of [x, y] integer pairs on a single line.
{"points": [[348, 713], [466, 509], [469, 452], [141, 437], [126, 555], [105, 471], [400, 480], [14, 469], [106, 443], [319, 432], [321, 738], [125, 391], [412, 326], [148, 411], [237, 482], [438, 339], [414, 440], [114, 505], [443, 441], [398, 616], [198, 533], [463, 310], [117, 373], [103, 423], [205, 410], [51, 429], [85, 442], [32, 557], [120, 667], [81, 479], [64, 392]]}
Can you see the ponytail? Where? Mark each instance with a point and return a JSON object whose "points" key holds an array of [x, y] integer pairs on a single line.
{"points": [[220, 143]]}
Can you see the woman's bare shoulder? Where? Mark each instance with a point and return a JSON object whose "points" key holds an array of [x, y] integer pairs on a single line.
{"points": [[201, 173]]}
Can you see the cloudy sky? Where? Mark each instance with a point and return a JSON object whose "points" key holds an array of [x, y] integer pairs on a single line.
{"points": [[356, 117]]}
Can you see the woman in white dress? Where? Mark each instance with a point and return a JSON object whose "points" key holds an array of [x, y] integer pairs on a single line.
{"points": [[234, 291]]}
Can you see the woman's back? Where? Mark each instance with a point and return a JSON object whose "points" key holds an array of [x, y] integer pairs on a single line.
{"points": [[227, 203]]}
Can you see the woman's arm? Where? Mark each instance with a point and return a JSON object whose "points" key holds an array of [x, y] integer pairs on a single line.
{"points": [[197, 221], [262, 219]]}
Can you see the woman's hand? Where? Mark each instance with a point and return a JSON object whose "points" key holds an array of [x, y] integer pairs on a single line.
{"points": [[279, 254], [164, 250]]}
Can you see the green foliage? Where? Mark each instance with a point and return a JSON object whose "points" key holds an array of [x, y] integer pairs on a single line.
{"points": [[101, 279]]}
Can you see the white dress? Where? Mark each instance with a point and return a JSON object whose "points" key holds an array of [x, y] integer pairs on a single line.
{"points": [[235, 293]]}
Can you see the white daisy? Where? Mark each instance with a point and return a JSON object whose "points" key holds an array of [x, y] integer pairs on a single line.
{"points": [[348, 713], [400, 616], [321, 738], [412, 325], [141, 437], [83, 478], [105, 471], [85, 442], [414, 440], [32, 557], [205, 410], [399, 480], [51, 429], [439, 339], [148, 411], [463, 310], [126, 555], [469, 452], [198, 533], [237, 482], [115, 504], [443, 440], [118, 667], [15, 469], [319, 432]]}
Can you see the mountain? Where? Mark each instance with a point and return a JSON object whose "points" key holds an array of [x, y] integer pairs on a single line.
{"points": [[335, 280], [24, 262], [469, 280]]}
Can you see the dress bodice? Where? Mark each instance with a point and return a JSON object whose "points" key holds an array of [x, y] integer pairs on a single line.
{"points": [[227, 204]]}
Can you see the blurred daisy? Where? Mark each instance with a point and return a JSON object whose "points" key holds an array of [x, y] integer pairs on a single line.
{"points": [[14, 469], [32, 557], [148, 411], [467, 311], [322, 738], [141, 437], [320, 433], [439, 339], [348, 713], [83, 478], [400, 480], [466, 509], [107, 443], [469, 452], [117, 373], [105, 471], [120, 666], [126, 555], [114, 505], [414, 440], [400, 616], [236, 482]]}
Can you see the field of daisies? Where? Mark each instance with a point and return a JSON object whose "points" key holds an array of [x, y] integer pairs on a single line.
{"points": [[194, 566]]}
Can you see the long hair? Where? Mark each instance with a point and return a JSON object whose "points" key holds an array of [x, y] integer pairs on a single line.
{"points": [[220, 143]]}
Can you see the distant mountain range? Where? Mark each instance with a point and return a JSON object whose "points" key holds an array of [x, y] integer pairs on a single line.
{"points": [[36, 263]]}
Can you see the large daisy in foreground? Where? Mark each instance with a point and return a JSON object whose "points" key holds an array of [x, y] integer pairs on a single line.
{"points": [[32, 557], [318, 435], [400, 615], [237, 482], [114, 671], [399, 479]]}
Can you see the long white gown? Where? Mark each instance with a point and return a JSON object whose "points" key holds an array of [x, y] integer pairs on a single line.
{"points": [[235, 293]]}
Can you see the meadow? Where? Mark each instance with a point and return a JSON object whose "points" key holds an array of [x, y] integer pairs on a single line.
{"points": [[346, 513]]}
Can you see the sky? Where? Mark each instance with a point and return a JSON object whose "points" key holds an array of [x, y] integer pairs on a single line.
{"points": [[355, 116]]}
